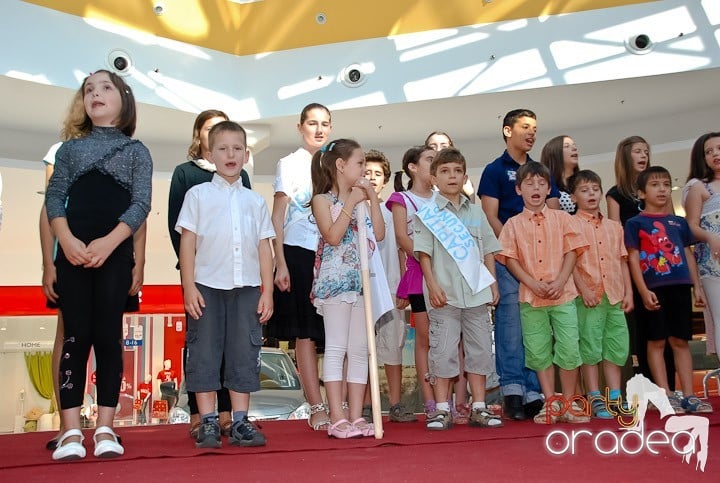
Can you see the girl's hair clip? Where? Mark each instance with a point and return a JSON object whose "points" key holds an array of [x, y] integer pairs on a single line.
{"points": [[327, 148]]}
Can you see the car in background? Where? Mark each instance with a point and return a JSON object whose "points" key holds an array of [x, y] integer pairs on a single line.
{"points": [[280, 395]]}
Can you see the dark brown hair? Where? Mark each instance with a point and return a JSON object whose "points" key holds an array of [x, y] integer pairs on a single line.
{"points": [[583, 176], [195, 149], [553, 157], [513, 116], [323, 169], [651, 173], [445, 156], [375, 156], [310, 107], [698, 167], [411, 156], [439, 133], [530, 169], [625, 175]]}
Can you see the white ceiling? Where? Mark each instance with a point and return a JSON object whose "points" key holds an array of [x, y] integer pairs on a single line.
{"points": [[470, 74], [665, 109]]}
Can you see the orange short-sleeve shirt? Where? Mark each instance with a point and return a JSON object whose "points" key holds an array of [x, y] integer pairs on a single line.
{"points": [[601, 265], [539, 241]]}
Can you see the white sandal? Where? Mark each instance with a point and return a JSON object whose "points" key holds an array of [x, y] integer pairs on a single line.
{"points": [[323, 424], [107, 448], [69, 451]]}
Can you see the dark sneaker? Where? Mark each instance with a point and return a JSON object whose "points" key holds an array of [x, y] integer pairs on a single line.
{"points": [[438, 421], [398, 414], [532, 408], [209, 435], [244, 433], [514, 408]]}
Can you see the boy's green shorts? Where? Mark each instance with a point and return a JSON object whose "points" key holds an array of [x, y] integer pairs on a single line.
{"points": [[540, 325], [603, 332]]}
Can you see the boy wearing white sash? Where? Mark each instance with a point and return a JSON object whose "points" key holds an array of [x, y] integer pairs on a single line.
{"points": [[456, 245]]}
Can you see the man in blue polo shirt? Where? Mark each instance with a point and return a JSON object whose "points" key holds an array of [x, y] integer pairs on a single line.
{"points": [[500, 201]]}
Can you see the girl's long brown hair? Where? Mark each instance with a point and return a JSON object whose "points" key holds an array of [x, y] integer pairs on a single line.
{"points": [[323, 169], [625, 175]]}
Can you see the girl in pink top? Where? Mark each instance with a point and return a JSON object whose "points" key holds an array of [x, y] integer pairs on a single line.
{"points": [[403, 205]]}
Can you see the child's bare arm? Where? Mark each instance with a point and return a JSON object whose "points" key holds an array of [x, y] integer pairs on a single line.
{"points": [[438, 298], [376, 217], [650, 300], [331, 230], [590, 298], [399, 213], [489, 261], [193, 299], [138, 271], [628, 301], [265, 304], [697, 286]]}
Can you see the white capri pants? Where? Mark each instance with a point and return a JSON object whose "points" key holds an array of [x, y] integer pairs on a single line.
{"points": [[345, 334]]}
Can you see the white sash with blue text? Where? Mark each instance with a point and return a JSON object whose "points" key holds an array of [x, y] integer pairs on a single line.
{"points": [[456, 239]]}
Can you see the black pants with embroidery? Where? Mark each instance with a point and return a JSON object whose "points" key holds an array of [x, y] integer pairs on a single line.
{"points": [[93, 299]]}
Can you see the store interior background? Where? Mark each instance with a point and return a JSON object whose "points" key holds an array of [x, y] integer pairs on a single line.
{"points": [[451, 65]]}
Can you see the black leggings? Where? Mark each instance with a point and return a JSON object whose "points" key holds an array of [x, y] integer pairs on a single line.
{"points": [[93, 299], [92, 302]]}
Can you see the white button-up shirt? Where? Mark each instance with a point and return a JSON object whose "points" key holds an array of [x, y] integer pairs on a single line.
{"points": [[229, 222], [293, 178]]}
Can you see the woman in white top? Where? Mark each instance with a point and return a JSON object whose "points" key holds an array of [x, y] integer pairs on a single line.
{"points": [[295, 245]]}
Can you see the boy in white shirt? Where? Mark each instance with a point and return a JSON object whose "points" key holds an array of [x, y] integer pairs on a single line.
{"points": [[226, 270], [390, 337]]}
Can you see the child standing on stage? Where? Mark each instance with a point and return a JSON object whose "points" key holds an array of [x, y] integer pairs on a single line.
{"points": [[404, 204], [540, 247], [602, 279], [701, 199], [456, 247], [226, 272], [186, 175], [104, 176], [390, 336], [664, 269], [500, 201], [338, 187], [295, 244]]}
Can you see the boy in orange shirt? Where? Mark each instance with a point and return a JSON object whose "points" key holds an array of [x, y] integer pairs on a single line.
{"points": [[540, 247], [603, 280]]}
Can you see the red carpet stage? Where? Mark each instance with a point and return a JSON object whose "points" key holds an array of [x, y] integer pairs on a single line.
{"points": [[408, 452]]}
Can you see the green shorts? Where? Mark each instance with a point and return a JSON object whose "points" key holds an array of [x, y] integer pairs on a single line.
{"points": [[603, 333], [539, 325]]}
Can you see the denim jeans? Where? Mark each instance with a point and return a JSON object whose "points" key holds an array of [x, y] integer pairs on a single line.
{"points": [[515, 378]]}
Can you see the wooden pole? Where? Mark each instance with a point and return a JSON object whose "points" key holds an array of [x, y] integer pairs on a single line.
{"points": [[369, 322]]}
